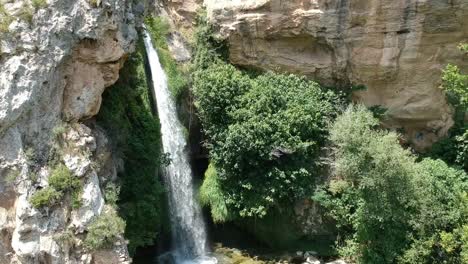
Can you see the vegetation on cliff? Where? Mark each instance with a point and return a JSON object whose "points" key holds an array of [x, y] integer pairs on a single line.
{"points": [[454, 148], [264, 132], [61, 182], [388, 207], [128, 118], [104, 230]]}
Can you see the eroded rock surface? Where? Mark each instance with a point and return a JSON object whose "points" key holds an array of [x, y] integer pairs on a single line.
{"points": [[395, 48], [55, 62], [183, 13]]}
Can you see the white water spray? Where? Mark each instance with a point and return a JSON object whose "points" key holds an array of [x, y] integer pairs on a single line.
{"points": [[188, 229]]}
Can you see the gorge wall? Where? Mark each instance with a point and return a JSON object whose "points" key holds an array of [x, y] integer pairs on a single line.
{"points": [[56, 58], [397, 49]]}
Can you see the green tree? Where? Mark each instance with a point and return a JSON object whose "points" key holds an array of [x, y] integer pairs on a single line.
{"points": [[442, 214], [454, 148], [263, 132], [371, 195], [456, 85], [388, 207]]}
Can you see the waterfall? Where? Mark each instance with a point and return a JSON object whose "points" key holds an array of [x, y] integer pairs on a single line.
{"points": [[187, 226]]}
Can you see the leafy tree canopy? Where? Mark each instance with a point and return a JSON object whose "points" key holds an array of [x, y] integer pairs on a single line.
{"points": [[264, 132], [390, 208]]}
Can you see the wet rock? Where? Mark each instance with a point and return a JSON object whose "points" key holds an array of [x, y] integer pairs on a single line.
{"points": [[312, 260], [339, 261]]}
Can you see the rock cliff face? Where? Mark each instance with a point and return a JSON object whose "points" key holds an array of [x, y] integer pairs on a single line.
{"points": [[182, 13], [395, 48], [55, 61]]}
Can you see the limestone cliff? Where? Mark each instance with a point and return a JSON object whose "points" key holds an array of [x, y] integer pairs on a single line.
{"points": [[56, 58], [395, 48]]}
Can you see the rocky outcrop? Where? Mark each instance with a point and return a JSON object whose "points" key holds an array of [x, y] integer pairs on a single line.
{"points": [[395, 48], [183, 13], [94, 65], [55, 61]]}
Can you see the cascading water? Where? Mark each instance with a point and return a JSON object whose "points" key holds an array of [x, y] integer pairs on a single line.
{"points": [[188, 229]]}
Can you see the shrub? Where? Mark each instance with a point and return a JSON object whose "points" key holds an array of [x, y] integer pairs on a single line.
{"points": [[26, 13], [104, 231], [93, 3], [65, 237], [111, 194], [5, 19], [455, 84], [463, 47], [159, 29], [59, 130], [12, 176], [454, 148], [212, 196], [45, 197], [62, 180], [38, 4], [76, 201], [30, 155]]}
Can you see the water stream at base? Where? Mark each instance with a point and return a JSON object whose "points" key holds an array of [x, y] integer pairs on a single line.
{"points": [[189, 237]]}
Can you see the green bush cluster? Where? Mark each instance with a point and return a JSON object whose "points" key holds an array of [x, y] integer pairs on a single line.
{"points": [[104, 230], [126, 115], [177, 80], [26, 13], [45, 197], [61, 181], [264, 132], [38, 4], [454, 148], [456, 85], [388, 207], [5, 19], [211, 195]]}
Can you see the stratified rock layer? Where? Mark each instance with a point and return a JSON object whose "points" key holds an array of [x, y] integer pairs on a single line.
{"points": [[55, 62], [395, 48]]}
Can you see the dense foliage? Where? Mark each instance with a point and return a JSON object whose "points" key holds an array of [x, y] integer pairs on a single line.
{"points": [[104, 230], [45, 197], [211, 195], [61, 182], [388, 207], [454, 148], [126, 114], [264, 133]]}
